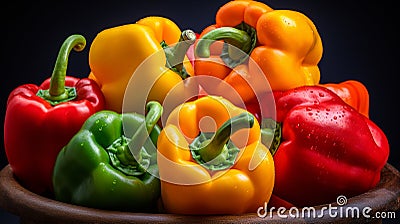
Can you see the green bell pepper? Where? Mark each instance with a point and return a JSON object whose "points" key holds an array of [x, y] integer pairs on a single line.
{"points": [[111, 162]]}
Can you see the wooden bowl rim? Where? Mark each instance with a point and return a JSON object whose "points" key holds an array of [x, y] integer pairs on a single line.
{"points": [[30, 206]]}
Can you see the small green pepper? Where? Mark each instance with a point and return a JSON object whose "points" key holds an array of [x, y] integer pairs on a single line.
{"points": [[111, 162]]}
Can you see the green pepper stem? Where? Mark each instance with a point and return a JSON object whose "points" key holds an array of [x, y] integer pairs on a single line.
{"points": [[212, 148], [176, 54], [58, 92], [57, 83], [154, 112], [239, 43], [238, 38], [271, 134]]}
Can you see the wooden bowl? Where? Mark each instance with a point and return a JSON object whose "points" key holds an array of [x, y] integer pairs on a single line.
{"points": [[32, 208]]}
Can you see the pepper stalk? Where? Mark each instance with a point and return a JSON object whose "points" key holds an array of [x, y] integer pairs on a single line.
{"points": [[216, 151], [129, 155], [176, 54], [58, 92], [271, 134], [239, 43]]}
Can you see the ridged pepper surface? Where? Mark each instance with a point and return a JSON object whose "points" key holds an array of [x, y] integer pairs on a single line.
{"points": [[203, 171]]}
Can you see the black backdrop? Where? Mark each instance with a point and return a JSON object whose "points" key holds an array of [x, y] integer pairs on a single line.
{"points": [[358, 39]]}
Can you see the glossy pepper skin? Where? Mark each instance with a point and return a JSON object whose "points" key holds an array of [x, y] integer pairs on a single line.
{"points": [[117, 52], [326, 148], [284, 44], [40, 120], [111, 162], [188, 187], [353, 92]]}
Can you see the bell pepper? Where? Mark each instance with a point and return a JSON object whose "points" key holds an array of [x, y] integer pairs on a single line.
{"points": [[353, 93], [117, 52], [202, 172], [111, 162], [40, 120], [322, 147], [283, 44]]}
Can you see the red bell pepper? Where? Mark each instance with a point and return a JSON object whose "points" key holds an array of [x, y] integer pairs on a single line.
{"points": [[324, 147], [40, 120], [353, 92]]}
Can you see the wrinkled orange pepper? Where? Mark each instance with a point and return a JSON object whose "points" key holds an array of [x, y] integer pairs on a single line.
{"points": [[203, 176], [284, 44], [353, 93]]}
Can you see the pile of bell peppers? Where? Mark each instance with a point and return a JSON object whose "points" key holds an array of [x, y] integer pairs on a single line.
{"points": [[264, 131]]}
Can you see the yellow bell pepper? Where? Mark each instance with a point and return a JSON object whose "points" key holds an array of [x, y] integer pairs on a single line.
{"points": [[229, 172], [116, 53]]}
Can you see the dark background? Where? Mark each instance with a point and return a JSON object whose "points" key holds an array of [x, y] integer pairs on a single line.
{"points": [[358, 38]]}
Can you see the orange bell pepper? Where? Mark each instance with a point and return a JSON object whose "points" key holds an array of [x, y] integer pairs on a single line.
{"points": [[284, 44], [229, 172], [353, 93]]}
